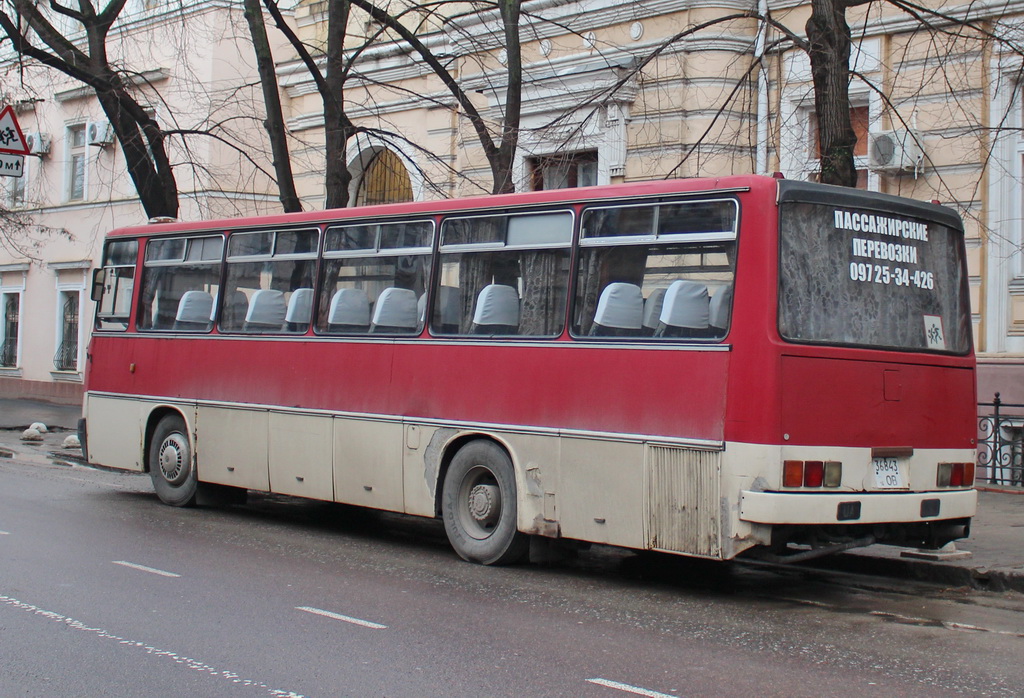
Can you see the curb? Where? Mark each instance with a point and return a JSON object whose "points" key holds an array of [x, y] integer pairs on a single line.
{"points": [[1000, 490], [997, 580]]}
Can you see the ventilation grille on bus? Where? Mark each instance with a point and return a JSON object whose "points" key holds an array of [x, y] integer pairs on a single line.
{"points": [[683, 500]]}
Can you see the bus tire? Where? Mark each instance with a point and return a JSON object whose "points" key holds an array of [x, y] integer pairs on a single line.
{"points": [[478, 505], [170, 463]]}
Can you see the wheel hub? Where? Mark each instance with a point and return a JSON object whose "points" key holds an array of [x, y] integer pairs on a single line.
{"points": [[172, 459], [485, 504]]}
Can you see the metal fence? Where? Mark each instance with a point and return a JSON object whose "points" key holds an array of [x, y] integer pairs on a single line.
{"points": [[1000, 443]]}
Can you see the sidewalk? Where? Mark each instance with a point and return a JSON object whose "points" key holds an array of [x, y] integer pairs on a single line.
{"points": [[996, 547], [996, 543], [19, 414]]}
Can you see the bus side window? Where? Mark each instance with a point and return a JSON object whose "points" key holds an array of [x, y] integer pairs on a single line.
{"points": [[181, 277], [663, 271], [373, 278], [269, 281], [504, 275]]}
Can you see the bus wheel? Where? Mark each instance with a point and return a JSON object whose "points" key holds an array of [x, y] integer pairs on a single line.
{"points": [[170, 463], [478, 505]]}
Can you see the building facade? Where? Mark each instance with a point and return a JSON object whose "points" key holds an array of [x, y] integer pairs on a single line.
{"points": [[192, 67], [683, 88], [610, 92]]}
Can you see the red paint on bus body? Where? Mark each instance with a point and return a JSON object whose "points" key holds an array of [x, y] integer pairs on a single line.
{"points": [[758, 391]]}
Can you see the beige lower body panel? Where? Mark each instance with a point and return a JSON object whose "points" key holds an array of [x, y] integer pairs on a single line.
{"points": [[115, 432]]}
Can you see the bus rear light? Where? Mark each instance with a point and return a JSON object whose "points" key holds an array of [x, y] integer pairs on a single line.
{"points": [[814, 473], [955, 475], [793, 473], [833, 473], [811, 473]]}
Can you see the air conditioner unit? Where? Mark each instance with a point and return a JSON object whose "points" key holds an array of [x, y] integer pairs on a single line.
{"points": [[37, 143], [99, 133], [894, 151]]}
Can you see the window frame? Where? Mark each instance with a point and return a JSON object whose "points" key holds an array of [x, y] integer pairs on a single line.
{"points": [[460, 248], [315, 255], [586, 242], [74, 150], [179, 261]]}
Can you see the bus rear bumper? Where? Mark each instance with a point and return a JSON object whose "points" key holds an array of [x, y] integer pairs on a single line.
{"points": [[856, 507]]}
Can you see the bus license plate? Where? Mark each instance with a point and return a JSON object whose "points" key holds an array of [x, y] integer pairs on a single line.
{"points": [[887, 473]]}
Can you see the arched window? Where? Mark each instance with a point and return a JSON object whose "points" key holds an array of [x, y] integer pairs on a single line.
{"points": [[385, 180]]}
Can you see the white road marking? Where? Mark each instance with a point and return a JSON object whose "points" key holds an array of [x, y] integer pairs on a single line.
{"points": [[635, 690], [151, 570], [338, 616], [188, 662], [4, 533]]}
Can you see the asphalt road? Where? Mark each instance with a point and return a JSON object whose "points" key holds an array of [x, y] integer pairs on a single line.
{"points": [[104, 591]]}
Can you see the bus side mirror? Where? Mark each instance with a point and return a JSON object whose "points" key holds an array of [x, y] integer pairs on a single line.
{"points": [[97, 284]]}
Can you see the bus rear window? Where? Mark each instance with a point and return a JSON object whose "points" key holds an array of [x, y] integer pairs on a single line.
{"points": [[871, 278]]}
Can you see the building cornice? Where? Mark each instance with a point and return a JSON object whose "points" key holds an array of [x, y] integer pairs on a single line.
{"points": [[147, 77]]}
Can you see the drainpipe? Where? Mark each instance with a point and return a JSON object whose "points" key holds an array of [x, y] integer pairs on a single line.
{"points": [[762, 90]]}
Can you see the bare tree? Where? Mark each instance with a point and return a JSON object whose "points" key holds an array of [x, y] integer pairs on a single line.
{"points": [[28, 26], [274, 123]]}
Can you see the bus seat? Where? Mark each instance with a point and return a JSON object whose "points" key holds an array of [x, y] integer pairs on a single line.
{"points": [[686, 310], [448, 309], [652, 311], [194, 311], [721, 303], [300, 309], [232, 315], [349, 311], [497, 310], [266, 311], [395, 311], [620, 311]]}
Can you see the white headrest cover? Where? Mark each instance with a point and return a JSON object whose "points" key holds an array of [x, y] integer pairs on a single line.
{"points": [[621, 306], [720, 304], [497, 304], [300, 306], [266, 307], [396, 307], [349, 306], [687, 304], [195, 306], [652, 308]]}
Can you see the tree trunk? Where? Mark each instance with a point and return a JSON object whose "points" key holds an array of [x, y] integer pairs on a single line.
{"points": [[829, 37], [337, 127], [502, 163], [274, 123], [148, 167]]}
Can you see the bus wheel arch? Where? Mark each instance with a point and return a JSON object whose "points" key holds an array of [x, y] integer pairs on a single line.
{"points": [[478, 498], [170, 459]]}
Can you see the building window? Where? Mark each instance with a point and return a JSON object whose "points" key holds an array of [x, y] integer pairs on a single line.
{"points": [[860, 120], [11, 304], [66, 358], [76, 162], [17, 186], [385, 180], [563, 171]]}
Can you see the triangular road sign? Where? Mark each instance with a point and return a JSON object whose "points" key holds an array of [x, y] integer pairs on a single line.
{"points": [[12, 140]]}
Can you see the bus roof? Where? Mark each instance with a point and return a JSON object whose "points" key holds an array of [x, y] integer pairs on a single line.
{"points": [[436, 206]]}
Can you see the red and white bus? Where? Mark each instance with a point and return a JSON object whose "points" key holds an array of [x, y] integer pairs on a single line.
{"points": [[703, 366]]}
